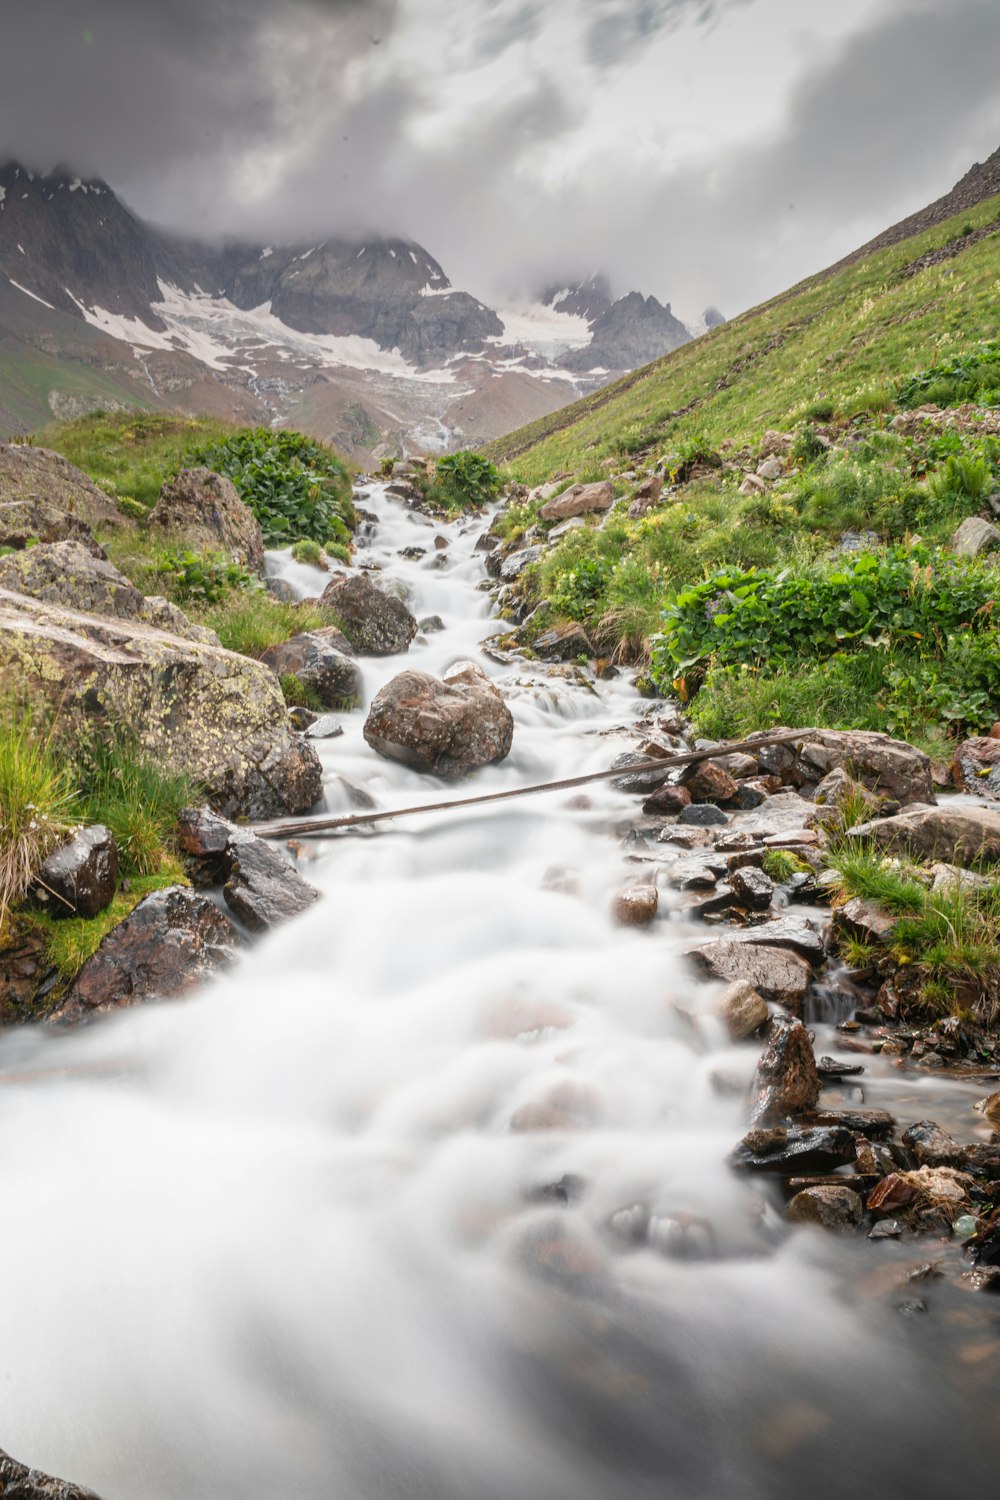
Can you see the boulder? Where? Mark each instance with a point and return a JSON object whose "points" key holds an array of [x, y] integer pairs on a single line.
{"points": [[514, 564], [742, 1010], [889, 767], [838, 790], [262, 887], [578, 499], [28, 473], [375, 623], [39, 520], [707, 781], [205, 510], [777, 974], [793, 1149], [635, 906], [646, 497], [172, 941], [933, 1147], [70, 575], [976, 766], [313, 660], [566, 643], [786, 1082], [863, 920], [973, 536], [193, 708], [827, 1206], [79, 878], [18, 1482], [644, 781], [448, 727], [963, 834]]}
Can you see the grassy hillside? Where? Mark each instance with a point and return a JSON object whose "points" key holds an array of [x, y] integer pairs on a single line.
{"points": [[827, 590]]}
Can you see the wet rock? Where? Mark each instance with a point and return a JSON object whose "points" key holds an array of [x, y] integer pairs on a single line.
{"points": [[566, 1106], [280, 588], [889, 767], [867, 1121], [932, 1146], [324, 727], [786, 1082], [205, 510], [989, 1108], [973, 536], [803, 935], [18, 1482], [887, 1229], [752, 889], [779, 975], [976, 766], [314, 661], [708, 782], [644, 781], [30, 473], [742, 1010], [981, 1279], [79, 878], [829, 1068], [635, 906], [805, 1149], [172, 941], [375, 623], [448, 727], [579, 499], [703, 815], [781, 813], [202, 837], [667, 799], [195, 708], [261, 887], [891, 1194], [862, 920], [563, 643], [755, 791], [949, 832], [431, 624], [836, 1208]]}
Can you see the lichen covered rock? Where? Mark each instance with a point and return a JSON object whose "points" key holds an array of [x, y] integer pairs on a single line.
{"points": [[205, 510]]}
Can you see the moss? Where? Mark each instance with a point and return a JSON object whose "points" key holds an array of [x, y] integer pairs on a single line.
{"points": [[70, 941]]}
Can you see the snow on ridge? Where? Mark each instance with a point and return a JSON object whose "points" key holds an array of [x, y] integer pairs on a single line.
{"points": [[267, 250], [542, 330], [34, 295]]}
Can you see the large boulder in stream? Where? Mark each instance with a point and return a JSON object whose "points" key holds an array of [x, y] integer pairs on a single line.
{"points": [[448, 727], [205, 510], [76, 635], [18, 1482], [375, 623], [262, 887]]}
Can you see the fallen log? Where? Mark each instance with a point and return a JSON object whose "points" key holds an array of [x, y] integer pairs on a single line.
{"points": [[310, 827]]}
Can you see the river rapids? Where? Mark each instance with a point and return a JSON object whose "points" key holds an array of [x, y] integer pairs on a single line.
{"points": [[428, 1198]]}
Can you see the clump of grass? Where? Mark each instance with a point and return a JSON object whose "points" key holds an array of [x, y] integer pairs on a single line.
{"points": [[130, 454], [963, 478], [857, 953], [249, 623], [781, 865], [866, 873], [309, 551], [300, 694], [38, 802], [136, 799]]}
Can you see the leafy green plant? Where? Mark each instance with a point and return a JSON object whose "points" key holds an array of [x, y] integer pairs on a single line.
{"points": [[466, 480], [295, 486], [204, 577], [973, 375]]}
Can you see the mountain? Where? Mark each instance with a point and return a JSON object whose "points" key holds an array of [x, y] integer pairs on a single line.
{"points": [[365, 342]]}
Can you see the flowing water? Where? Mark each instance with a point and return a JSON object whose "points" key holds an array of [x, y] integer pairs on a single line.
{"points": [[428, 1198]]}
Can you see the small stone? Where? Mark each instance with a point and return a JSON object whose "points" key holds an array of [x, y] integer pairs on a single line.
{"points": [[786, 1082], [708, 782], [636, 906], [973, 536], [325, 727], [965, 1226], [79, 878], [703, 815], [742, 1009], [431, 624], [990, 1107], [887, 1229], [202, 837], [771, 468], [752, 889], [932, 1146], [667, 799], [836, 1208]]}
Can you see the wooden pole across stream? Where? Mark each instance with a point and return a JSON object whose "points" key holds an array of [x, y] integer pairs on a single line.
{"points": [[312, 827]]}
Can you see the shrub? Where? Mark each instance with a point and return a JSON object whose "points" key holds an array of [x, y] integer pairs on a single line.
{"points": [[295, 486], [37, 801], [464, 480], [204, 577]]}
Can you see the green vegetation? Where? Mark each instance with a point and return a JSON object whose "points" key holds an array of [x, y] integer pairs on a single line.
{"points": [[295, 486], [70, 941], [300, 694], [308, 551], [465, 480], [131, 453], [251, 622], [781, 865], [137, 800], [38, 801], [970, 375], [201, 577]]}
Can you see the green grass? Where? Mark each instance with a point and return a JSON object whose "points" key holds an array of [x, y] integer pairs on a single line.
{"points": [[38, 801], [251, 622], [131, 453], [137, 800], [892, 885]]}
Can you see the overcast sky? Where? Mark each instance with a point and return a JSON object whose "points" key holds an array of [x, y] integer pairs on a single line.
{"points": [[702, 150]]}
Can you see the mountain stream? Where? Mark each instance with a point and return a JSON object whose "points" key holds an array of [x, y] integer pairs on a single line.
{"points": [[428, 1199]]}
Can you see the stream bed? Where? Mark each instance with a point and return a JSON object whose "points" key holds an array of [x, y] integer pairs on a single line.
{"points": [[428, 1198]]}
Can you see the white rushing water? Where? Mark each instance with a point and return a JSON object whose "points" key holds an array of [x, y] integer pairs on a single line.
{"points": [[428, 1198]]}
